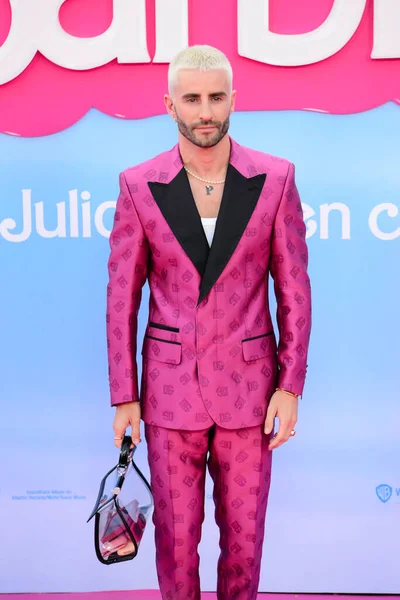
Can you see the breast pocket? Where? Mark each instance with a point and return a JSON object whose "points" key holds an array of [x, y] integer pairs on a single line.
{"points": [[162, 350], [259, 346]]}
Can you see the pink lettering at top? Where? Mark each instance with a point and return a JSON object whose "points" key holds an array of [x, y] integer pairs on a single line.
{"points": [[60, 58]]}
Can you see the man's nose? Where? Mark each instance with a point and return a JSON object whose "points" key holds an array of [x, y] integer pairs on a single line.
{"points": [[206, 113]]}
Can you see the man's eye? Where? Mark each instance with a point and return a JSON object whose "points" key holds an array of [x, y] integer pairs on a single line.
{"points": [[217, 98], [192, 100]]}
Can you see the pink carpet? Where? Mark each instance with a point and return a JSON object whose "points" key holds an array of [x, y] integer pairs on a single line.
{"points": [[154, 595]]}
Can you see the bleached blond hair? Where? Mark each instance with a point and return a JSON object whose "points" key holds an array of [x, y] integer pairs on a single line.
{"points": [[204, 58]]}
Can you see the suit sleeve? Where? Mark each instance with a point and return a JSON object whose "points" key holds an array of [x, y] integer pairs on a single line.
{"points": [[127, 270], [289, 262]]}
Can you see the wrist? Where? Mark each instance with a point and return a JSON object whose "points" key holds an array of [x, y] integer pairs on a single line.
{"points": [[279, 389]]}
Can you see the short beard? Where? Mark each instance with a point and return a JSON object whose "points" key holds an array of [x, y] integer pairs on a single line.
{"points": [[188, 132]]}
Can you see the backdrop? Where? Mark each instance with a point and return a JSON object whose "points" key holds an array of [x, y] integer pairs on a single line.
{"points": [[334, 510]]}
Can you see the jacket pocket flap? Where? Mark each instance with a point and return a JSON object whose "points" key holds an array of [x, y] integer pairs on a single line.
{"points": [[162, 350], [259, 346], [162, 334]]}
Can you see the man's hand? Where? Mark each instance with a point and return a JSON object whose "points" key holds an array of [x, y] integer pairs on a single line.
{"points": [[283, 406], [127, 414]]}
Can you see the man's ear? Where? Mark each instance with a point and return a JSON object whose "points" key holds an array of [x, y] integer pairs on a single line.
{"points": [[169, 105], [233, 101]]}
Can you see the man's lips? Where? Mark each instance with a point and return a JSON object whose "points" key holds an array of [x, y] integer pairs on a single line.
{"points": [[206, 128]]}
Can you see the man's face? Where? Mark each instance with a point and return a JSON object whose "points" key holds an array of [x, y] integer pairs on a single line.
{"points": [[201, 102]]}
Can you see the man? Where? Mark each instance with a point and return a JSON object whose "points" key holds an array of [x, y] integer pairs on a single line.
{"points": [[213, 376]]}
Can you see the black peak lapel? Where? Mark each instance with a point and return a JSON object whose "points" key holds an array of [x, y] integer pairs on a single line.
{"points": [[176, 202], [238, 202]]}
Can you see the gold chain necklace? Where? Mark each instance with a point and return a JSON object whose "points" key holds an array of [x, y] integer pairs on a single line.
{"points": [[201, 179]]}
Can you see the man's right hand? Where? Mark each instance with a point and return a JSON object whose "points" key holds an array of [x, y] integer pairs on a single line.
{"points": [[127, 414]]}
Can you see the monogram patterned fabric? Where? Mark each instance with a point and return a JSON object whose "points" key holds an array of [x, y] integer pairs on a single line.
{"points": [[209, 352], [240, 465]]}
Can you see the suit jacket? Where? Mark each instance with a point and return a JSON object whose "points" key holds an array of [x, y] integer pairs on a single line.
{"points": [[209, 351]]}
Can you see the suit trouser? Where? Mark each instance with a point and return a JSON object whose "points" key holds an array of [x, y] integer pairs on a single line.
{"points": [[239, 463]]}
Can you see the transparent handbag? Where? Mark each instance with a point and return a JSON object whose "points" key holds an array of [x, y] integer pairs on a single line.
{"points": [[123, 507]]}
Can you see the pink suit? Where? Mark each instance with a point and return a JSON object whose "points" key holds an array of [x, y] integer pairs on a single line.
{"points": [[210, 357]]}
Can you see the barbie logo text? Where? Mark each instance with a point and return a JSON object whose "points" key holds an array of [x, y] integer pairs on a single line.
{"points": [[113, 55], [35, 26]]}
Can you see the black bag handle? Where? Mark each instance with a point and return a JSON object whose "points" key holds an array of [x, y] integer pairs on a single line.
{"points": [[126, 456]]}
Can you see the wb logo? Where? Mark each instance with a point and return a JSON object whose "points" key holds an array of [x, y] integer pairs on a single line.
{"points": [[384, 492]]}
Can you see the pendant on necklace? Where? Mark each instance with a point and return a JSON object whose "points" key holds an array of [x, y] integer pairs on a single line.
{"points": [[209, 189]]}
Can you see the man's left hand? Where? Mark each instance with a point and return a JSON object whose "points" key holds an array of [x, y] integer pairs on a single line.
{"points": [[284, 406]]}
